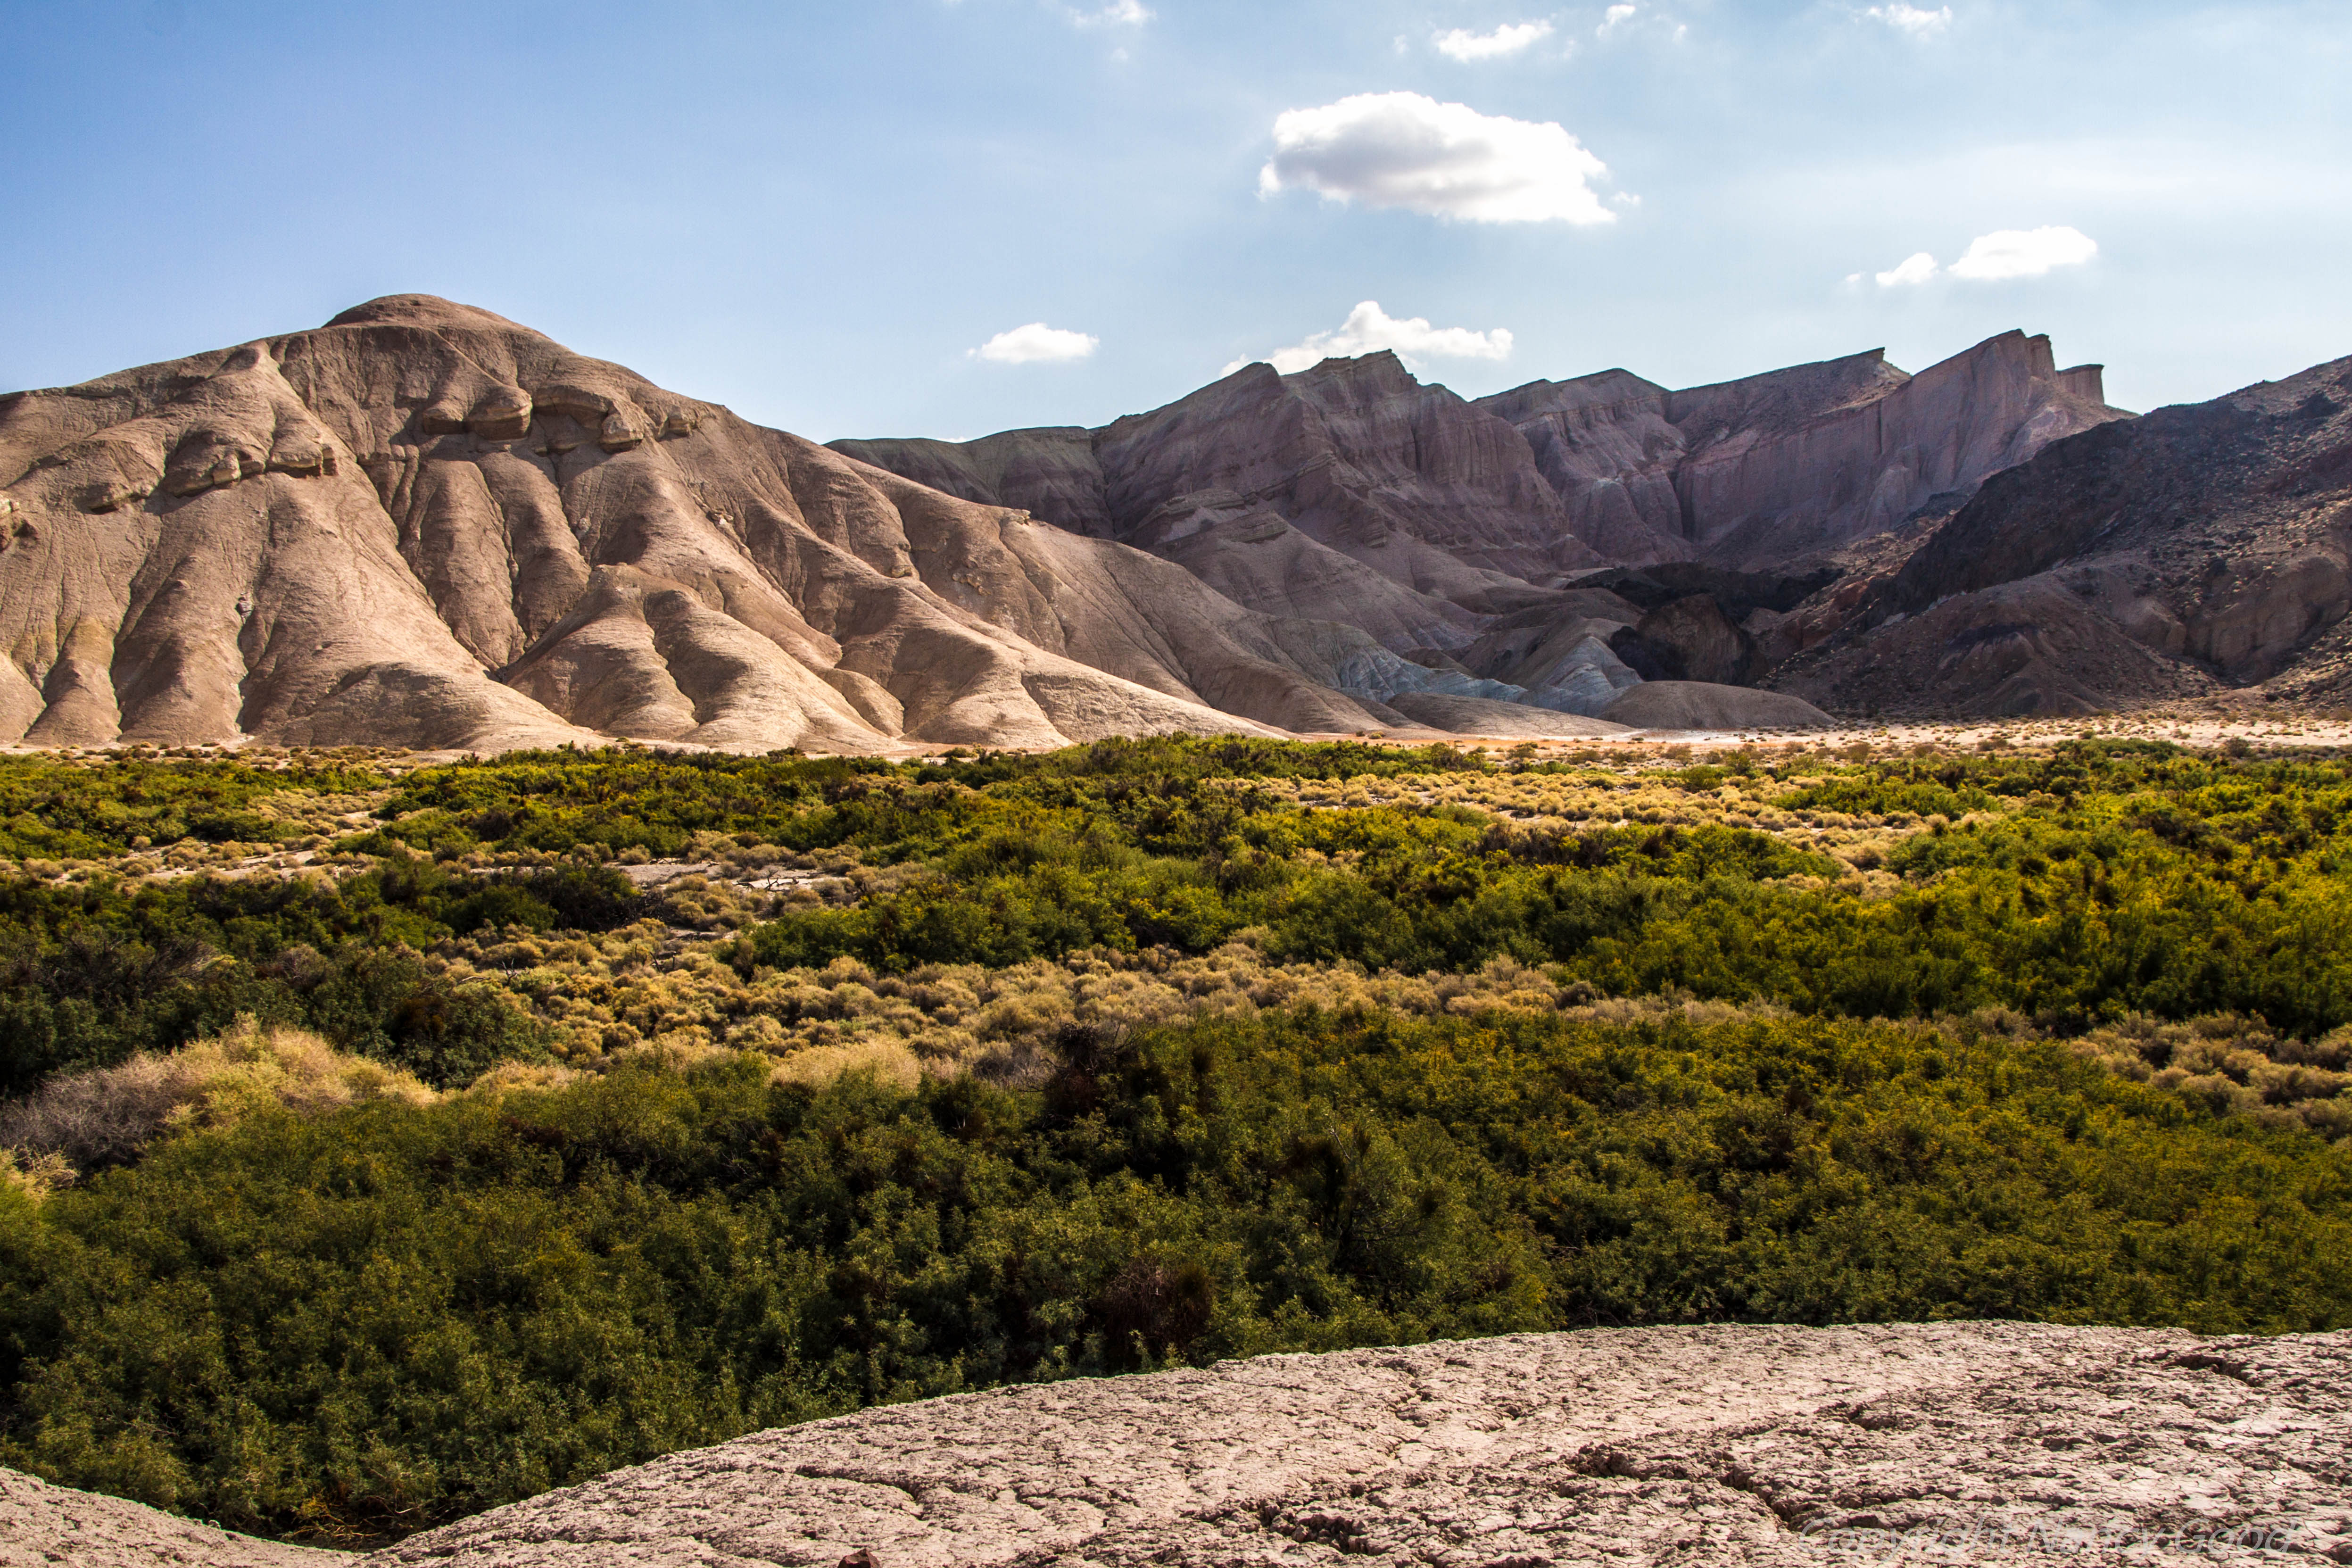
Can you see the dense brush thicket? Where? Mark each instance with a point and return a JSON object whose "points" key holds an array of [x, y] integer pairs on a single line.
{"points": [[2055, 1037], [367, 1321], [92, 974]]}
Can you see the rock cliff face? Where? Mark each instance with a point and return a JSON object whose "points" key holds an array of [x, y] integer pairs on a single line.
{"points": [[1442, 527], [1959, 1442], [2190, 551], [1772, 471]]}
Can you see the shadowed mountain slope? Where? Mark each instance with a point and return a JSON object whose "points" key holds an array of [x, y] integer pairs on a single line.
{"points": [[2194, 549]]}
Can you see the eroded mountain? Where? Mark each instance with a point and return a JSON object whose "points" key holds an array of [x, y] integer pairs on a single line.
{"points": [[1569, 539], [1988, 537], [425, 525]]}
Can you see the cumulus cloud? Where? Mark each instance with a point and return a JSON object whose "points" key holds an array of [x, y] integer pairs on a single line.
{"points": [[1118, 13], [1465, 46], [1916, 20], [1368, 329], [1915, 269], [1036, 343], [1446, 160], [2023, 253], [1614, 18]]}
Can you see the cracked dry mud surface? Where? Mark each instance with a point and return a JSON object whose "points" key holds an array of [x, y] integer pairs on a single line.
{"points": [[41, 1524], [1697, 1446]]}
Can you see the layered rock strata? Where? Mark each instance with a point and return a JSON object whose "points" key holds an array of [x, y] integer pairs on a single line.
{"points": [[1771, 471]]}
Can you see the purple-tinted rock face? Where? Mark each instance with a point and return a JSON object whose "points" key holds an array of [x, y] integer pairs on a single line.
{"points": [[1360, 482], [1762, 473]]}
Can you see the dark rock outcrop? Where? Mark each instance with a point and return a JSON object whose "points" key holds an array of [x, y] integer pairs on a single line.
{"points": [[1703, 705], [2191, 551]]}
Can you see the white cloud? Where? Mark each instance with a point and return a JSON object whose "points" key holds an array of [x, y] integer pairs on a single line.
{"points": [[2023, 253], [1446, 160], [1614, 18], [1465, 46], [1916, 20], [1118, 13], [1036, 343], [1368, 329], [1915, 269], [2005, 253]]}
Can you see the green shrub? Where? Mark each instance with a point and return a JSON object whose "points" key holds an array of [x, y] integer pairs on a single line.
{"points": [[395, 1314]]}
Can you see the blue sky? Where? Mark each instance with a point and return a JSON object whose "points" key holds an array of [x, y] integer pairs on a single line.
{"points": [[816, 214]]}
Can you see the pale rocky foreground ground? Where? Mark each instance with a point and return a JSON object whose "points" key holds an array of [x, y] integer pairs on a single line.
{"points": [[1993, 1442]]}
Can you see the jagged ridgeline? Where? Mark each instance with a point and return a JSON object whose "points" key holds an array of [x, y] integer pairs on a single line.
{"points": [[423, 525]]}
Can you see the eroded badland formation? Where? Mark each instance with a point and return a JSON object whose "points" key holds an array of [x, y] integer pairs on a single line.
{"points": [[423, 525]]}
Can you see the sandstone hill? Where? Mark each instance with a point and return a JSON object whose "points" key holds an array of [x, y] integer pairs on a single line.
{"points": [[1958, 1442], [425, 525]]}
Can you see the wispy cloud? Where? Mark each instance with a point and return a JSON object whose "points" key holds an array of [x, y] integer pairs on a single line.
{"points": [[1614, 18], [1509, 39], [1916, 20], [1446, 160], [1368, 329], [1118, 13], [1912, 270], [1036, 343]]}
